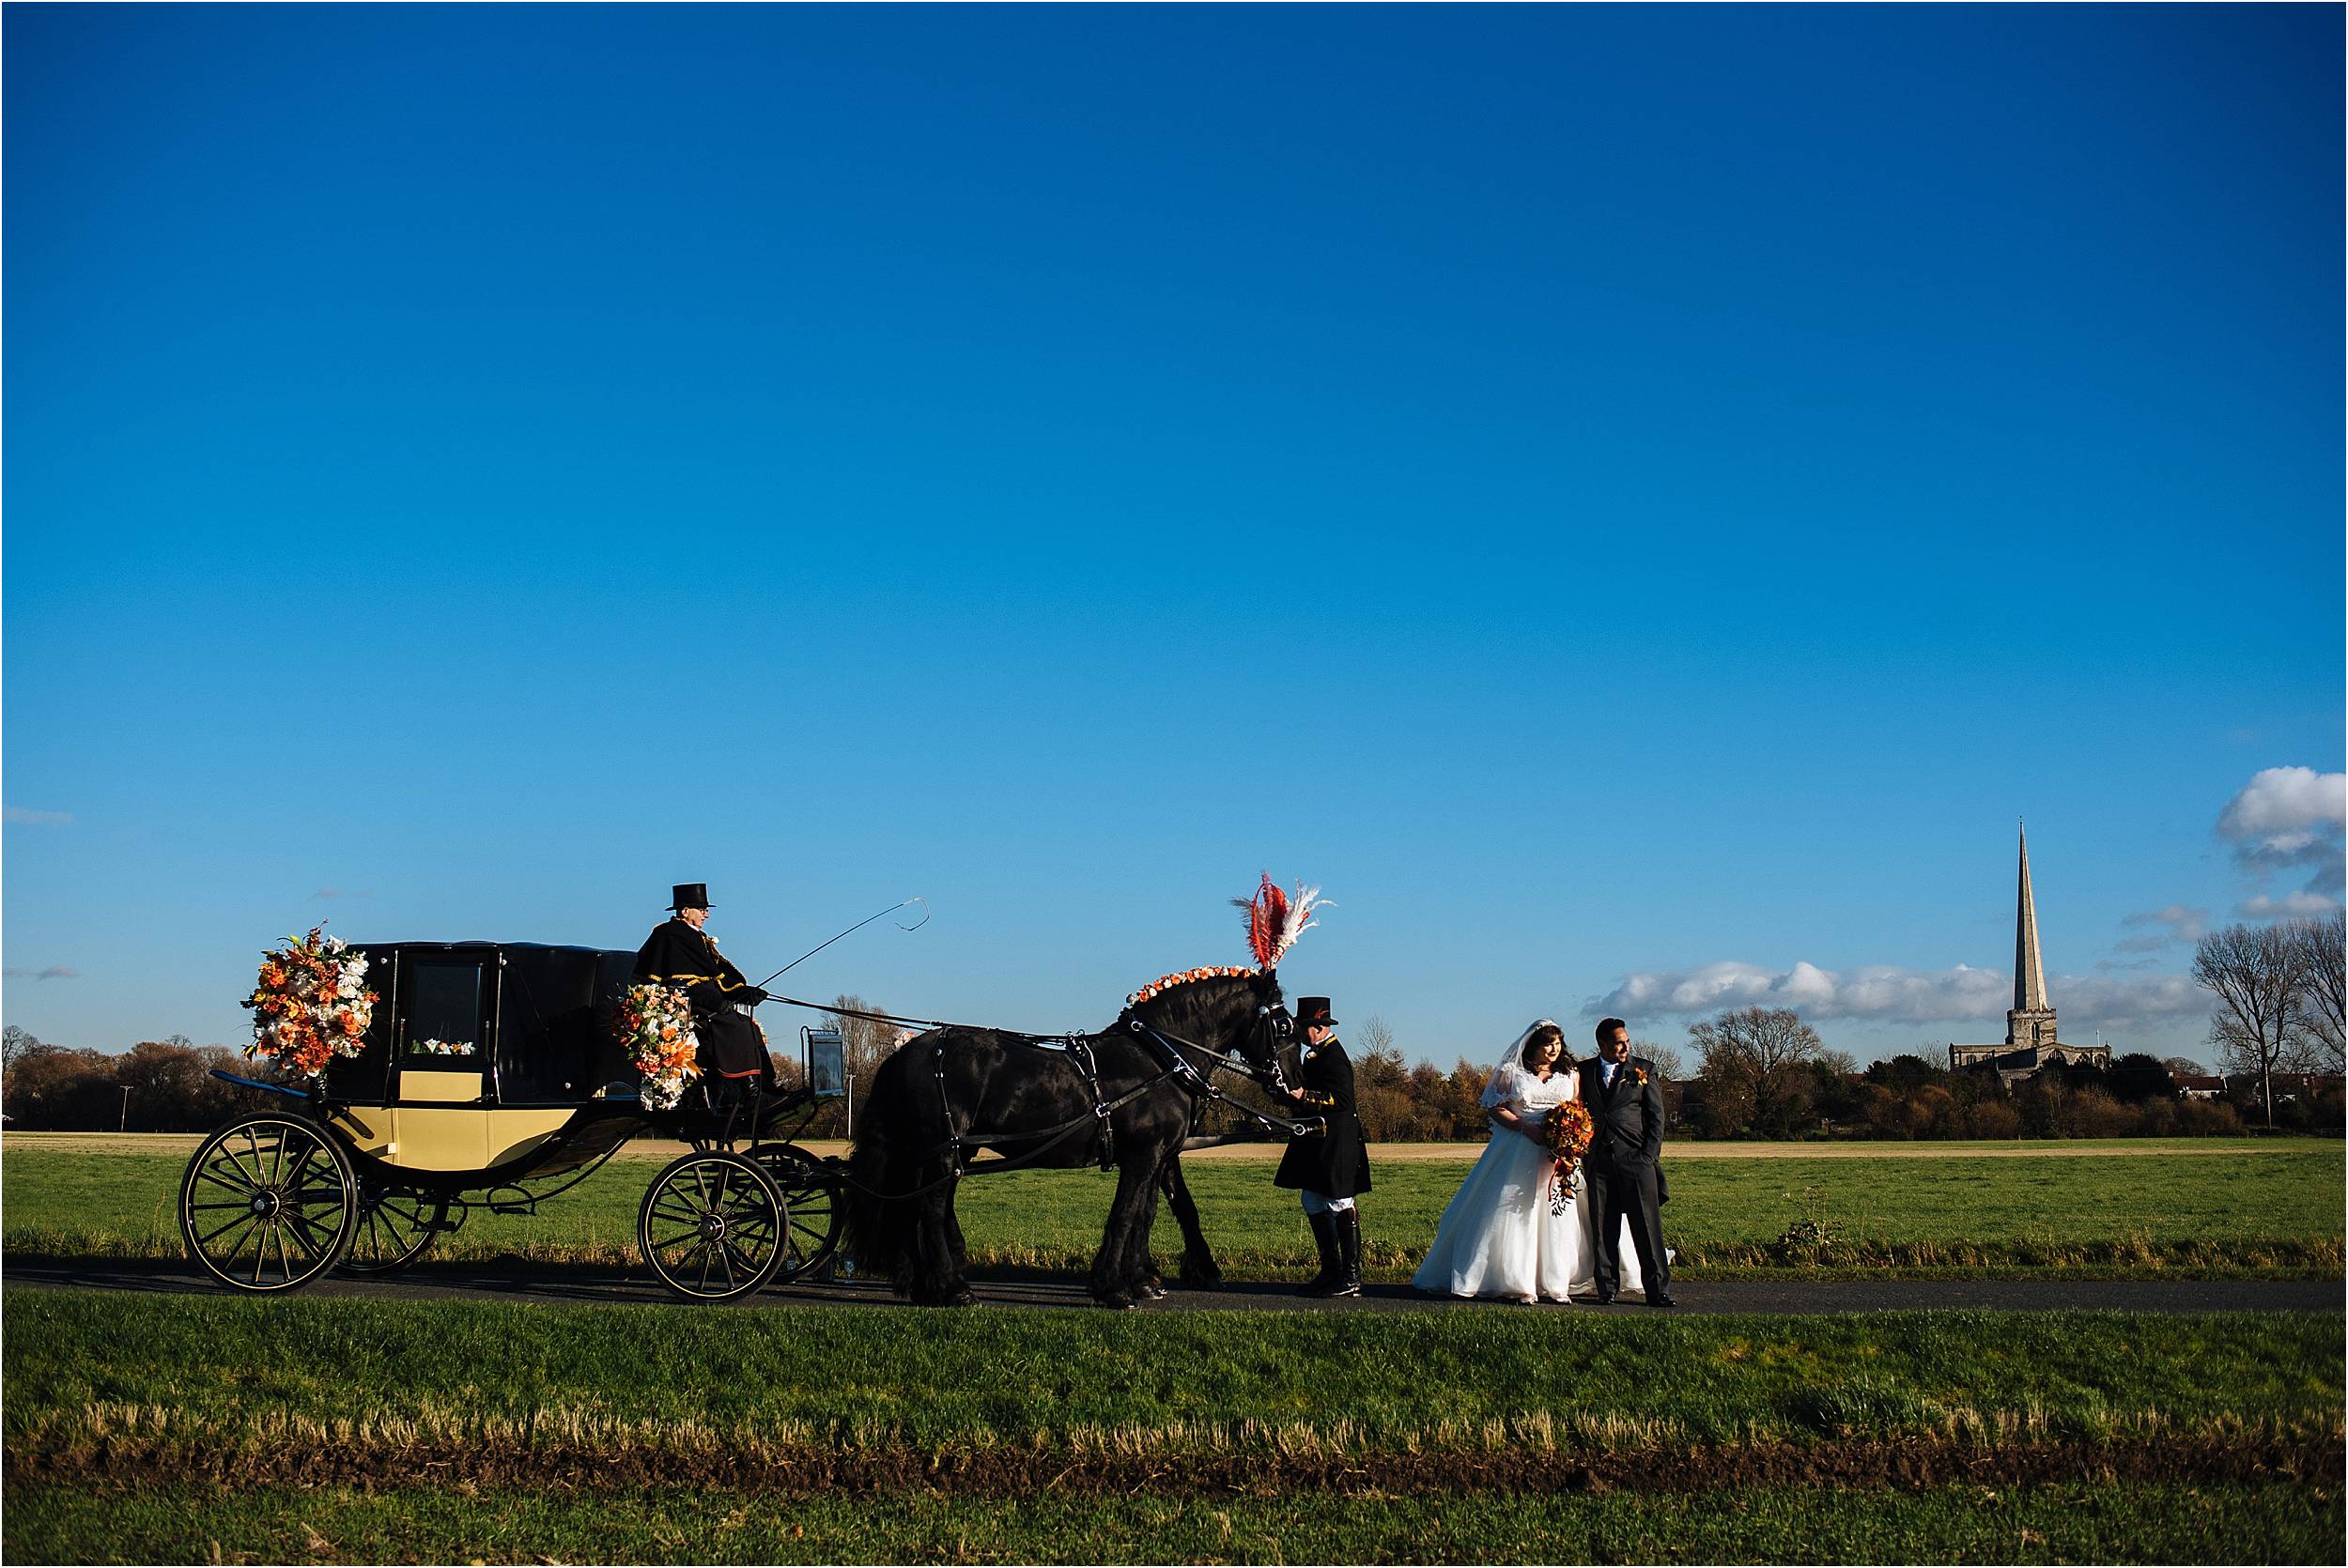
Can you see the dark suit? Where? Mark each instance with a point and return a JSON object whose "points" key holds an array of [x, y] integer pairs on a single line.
{"points": [[677, 955], [1625, 1182], [1334, 1164]]}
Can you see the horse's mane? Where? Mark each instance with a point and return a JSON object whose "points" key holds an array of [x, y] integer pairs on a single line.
{"points": [[1164, 983], [1190, 998]]}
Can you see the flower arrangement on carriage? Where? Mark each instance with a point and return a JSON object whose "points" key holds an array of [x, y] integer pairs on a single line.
{"points": [[310, 1003], [656, 1027]]}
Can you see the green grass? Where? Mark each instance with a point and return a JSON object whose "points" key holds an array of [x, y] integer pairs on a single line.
{"points": [[2079, 1522], [178, 1428], [226, 1373], [2212, 1214]]}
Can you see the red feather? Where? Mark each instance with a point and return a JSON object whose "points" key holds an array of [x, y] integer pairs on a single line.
{"points": [[1266, 913]]}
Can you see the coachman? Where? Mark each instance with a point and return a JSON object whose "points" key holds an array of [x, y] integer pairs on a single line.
{"points": [[680, 953]]}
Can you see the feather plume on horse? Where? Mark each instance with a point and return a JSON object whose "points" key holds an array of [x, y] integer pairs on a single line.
{"points": [[1276, 919], [1127, 1095]]}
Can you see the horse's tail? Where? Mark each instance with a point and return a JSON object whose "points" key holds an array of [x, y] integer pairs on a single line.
{"points": [[876, 1232]]}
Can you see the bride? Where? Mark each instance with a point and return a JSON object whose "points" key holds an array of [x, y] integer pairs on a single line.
{"points": [[1498, 1237]]}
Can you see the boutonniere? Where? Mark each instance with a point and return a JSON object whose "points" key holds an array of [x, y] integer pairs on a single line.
{"points": [[1639, 1076]]}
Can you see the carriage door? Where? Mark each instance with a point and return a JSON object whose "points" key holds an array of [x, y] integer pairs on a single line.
{"points": [[443, 1044]]}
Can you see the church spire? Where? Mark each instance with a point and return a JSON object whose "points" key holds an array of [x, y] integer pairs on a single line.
{"points": [[2030, 970]]}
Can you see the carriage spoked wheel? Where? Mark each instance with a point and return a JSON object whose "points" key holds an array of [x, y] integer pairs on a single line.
{"points": [[811, 1197], [713, 1227], [395, 1226], [269, 1203]]}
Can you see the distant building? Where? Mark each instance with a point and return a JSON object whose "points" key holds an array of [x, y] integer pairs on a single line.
{"points": [[2031, 1043]]}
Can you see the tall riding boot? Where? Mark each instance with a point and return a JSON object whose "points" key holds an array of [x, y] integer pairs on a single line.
{"points": [[1350, 1251], [1324, 1238]]}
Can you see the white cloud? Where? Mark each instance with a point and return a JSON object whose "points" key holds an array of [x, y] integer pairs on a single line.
{"points": [[1890, 993], [2287, 817], [2179, 924], [1876, 991], [46, 819], [2107, 999], [2286, 800], [2301, 904]]}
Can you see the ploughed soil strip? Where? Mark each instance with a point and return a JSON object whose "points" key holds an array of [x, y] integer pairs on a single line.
{"points": [[129, 1463]]}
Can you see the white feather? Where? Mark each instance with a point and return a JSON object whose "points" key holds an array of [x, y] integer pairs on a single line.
{"points": [[1299, 919]]}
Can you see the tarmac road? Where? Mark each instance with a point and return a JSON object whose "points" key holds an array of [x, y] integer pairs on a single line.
{"points": [[519, 1280]]}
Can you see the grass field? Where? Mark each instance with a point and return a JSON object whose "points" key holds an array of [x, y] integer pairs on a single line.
{"points": [[339, 1430], [2220, 1212], [2072, 1522]]}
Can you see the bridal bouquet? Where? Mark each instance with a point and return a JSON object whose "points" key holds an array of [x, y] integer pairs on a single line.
{"points": [[1568, 1134], [311, 1004], [655, 1028]]}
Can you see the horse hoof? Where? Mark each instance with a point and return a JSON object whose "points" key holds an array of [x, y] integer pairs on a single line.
{"points": [[1154, 1290], [1118, 1302]]}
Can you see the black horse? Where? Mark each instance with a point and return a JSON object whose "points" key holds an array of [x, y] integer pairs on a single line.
{"points": [[952, 1091]]}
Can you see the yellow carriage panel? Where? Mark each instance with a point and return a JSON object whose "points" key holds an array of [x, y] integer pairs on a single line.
{"points": [[430, 1139], [434, 1086], [514, 1133]]}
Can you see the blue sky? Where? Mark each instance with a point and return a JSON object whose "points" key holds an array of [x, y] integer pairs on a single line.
{"points": [[1606, 493]]}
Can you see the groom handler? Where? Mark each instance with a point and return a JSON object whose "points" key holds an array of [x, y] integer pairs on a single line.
{"points": [[1626, 1104], [1330, 1169]]}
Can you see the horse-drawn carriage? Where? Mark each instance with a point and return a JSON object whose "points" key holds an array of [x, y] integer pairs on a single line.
{"points": [[462, 1073], [488, 1076]]}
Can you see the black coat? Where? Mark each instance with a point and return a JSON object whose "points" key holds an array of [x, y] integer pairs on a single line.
{"points": [[677, 955], [1627, 1123], [1333, 1164]]}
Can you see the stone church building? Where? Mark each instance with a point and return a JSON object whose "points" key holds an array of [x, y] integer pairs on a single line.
{"points": [[2030, 1042]]}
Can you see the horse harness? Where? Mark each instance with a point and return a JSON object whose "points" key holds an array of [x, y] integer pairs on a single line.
{"points": [[1082, 1057], [1080, 1054]]}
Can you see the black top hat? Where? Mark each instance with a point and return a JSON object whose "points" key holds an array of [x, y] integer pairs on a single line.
{"points": [[689, 895], [1311, 1010]]}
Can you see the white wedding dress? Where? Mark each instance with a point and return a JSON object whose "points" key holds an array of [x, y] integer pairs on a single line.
{"points": [[1497, 1237]]}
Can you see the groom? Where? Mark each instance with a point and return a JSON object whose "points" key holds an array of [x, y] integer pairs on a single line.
{"points": [[1627, 1104]]}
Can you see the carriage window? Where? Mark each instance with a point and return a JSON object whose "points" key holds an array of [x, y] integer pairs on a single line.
{"points": [[443, 1008]]}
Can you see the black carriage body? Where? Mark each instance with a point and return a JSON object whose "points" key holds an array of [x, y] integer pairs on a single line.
{"points": [[487, 1063]]}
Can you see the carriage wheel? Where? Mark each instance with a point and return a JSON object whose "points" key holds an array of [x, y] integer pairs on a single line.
{"points": [[713, 1226], [269, 1203], [395, 1226], [811, 1197]]}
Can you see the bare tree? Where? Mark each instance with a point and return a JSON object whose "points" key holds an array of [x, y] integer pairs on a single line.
{"points": [[2254, 973], [866, 1042], [15, 1046], [1377, 1039], [1763, 1051], [1669, 1064], [2184, 1066], [2322, 1009]]}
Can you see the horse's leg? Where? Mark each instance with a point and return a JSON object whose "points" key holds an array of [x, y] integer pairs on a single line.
{"points": [[1199, 1271], [1115, 1278], [936, 1271], [955, 1248]]}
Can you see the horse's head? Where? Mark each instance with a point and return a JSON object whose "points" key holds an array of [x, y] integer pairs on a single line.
{"points": [[1228, 1011]]}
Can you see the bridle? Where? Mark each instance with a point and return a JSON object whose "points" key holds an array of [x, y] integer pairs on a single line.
{"points": [[1273, 1028]]}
